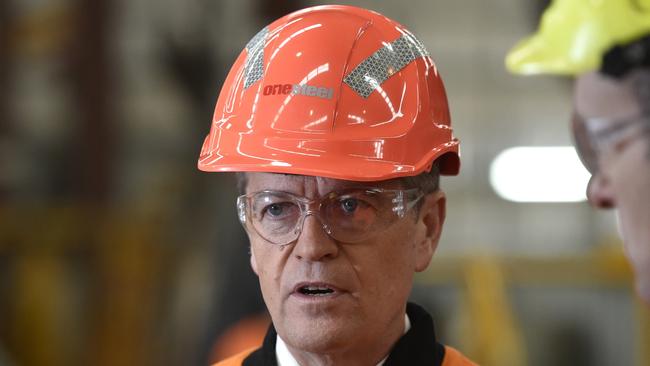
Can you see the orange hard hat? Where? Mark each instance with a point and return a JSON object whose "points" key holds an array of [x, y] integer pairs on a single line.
{"points": [[332, 91]]}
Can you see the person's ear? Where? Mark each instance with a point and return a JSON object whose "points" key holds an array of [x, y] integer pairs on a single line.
{"points": [[253, 262], [430, 219]]}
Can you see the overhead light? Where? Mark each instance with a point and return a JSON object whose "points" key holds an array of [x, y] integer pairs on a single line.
{"points": [[539, 174]]}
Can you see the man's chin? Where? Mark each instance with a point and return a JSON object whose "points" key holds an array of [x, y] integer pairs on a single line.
{"points": [[320, 336]]}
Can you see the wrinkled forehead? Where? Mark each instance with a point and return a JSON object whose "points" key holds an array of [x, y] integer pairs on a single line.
{"points": [[307, 185], [600, 96]]}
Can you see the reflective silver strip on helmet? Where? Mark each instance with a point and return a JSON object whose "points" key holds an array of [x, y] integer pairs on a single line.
{"points": [[254, 67], [381, 65]]}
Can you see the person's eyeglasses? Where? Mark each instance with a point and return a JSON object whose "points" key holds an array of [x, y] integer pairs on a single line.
{"points": [[348, 216], [595, 136]]}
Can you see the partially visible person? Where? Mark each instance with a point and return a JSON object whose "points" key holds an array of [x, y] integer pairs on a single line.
{"points": [[337, 122], [606, 45]]}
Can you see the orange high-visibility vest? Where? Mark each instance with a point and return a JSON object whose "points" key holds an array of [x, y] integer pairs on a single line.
{"points": [[452, 358]]}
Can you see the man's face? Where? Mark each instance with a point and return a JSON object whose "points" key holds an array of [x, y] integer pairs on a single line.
{"points": [[622, 178], [371, 280]]}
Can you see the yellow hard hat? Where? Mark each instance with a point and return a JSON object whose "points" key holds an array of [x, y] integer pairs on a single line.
{"points": [[574, 34]]}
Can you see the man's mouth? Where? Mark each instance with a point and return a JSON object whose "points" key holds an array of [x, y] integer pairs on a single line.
{"points": [[315, 289]]}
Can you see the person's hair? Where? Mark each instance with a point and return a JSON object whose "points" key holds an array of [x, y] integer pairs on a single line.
{"points": [[629, 63], [427, 182], [622, 59]]}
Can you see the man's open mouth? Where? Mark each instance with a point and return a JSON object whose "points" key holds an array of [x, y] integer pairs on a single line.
{"points": [[315, 290]]}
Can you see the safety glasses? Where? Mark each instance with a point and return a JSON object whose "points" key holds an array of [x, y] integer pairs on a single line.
{"points": [[348, 216], [596, 136]]}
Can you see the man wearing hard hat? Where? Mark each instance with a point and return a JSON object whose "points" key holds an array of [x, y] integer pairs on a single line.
{"points": [[606, 44], [337, 122]]}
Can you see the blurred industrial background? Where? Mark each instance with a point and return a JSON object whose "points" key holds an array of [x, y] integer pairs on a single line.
{"points": [[115, 250]]}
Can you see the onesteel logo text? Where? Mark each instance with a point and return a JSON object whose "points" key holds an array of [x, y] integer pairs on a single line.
{"points": [[295, 89]]}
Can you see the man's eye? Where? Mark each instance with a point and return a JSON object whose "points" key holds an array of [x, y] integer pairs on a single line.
{"points": [[349, 205], [275, 209], [279, 210]]}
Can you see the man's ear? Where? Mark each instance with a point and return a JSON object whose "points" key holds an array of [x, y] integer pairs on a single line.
{"points": [[430, 221], [253, 262]]}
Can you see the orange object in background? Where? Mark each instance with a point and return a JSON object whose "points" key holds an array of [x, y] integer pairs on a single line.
{"points": [[332, 91], [248, 333]]}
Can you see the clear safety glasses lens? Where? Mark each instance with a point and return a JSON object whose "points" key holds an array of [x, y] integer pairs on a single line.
{"points": [[594, 136]]}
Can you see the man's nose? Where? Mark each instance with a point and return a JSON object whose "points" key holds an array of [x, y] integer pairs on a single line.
{"points": [[314, 243], [600, 193]]}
